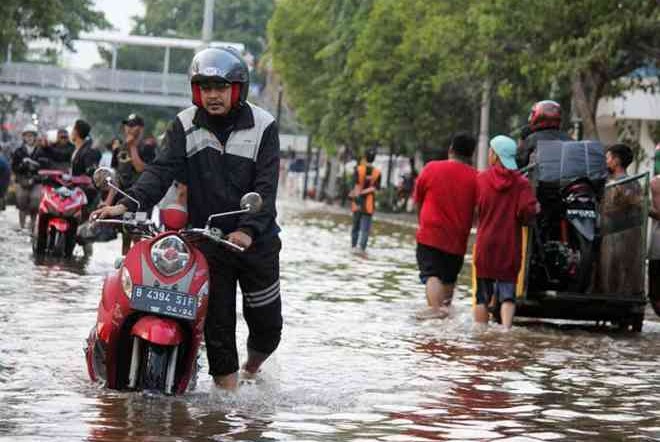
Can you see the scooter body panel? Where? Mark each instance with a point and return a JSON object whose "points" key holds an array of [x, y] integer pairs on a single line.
{"points": [[118, 321], [62, 203]]}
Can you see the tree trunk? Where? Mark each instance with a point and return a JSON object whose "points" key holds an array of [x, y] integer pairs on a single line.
{"points": [[308, 161], [324, 195], [317, 193], [484, 126], [389, 167], [587, 88]]}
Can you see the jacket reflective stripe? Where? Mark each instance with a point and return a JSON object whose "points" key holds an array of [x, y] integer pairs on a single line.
{"points": [[263, 297], [244, 143]]}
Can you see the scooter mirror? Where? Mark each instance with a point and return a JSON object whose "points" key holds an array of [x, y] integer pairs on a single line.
{"points": [[251, 202], [101, 177]]}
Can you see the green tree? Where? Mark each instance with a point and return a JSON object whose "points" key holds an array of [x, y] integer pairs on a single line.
{"points": [[234, 20], [58, 21], [591, 44], [62, 20], [407, 74]]}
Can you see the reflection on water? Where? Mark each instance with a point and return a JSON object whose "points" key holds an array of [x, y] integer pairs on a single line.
{"points": [[354, 365]]}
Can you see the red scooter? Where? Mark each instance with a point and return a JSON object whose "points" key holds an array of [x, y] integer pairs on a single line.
{"points": [[60, 213], [150, 321]]}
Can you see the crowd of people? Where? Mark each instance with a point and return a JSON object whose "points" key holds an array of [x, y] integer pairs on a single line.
{"points": [[73, 153]]}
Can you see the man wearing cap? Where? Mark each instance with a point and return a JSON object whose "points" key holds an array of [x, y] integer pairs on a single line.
{"points": [[131, 157], [505, 203], [129, 160]]}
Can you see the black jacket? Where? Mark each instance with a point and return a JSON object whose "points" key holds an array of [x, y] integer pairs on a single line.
{"points": [[528, 145], [23, 169], [86, 160], [216, 180], [59, 156]]}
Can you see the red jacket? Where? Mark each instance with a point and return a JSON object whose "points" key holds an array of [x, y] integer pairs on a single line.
{"points": [[446, 192], [506, 202]]}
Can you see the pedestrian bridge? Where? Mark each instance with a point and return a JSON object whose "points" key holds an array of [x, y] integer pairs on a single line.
{"points": [[108, 84], [96, 84]]}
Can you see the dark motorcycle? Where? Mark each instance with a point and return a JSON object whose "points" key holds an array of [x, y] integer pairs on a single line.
{"points": [[566, 237], [584, 258]]}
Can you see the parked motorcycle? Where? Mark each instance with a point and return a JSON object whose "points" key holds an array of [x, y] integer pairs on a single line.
{"points": [[60, 212], [150, 320]]}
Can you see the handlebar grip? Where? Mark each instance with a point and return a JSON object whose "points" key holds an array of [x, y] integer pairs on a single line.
{"points": [[231, 245]]}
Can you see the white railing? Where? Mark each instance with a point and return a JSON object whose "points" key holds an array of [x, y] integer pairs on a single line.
{"points": [[97, 79]]}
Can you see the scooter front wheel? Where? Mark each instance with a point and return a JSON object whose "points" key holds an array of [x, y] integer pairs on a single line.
{"points": [[40, 235], [154, 367]]}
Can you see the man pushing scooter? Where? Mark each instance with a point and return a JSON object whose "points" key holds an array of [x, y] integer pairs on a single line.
{"points": [[221, 148]]}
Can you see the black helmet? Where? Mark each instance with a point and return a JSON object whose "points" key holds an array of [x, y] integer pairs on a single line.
{"points": [[220, 65], [545, 114]]}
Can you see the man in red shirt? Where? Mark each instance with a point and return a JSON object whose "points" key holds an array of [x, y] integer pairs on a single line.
{"points": [[506, 201], [446, 194]]}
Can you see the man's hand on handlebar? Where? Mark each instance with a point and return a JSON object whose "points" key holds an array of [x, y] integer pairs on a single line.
{"points": [[108, 212], [240, 238]]}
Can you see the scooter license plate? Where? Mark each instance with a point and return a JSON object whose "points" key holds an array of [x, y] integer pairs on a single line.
{"points": [[164, 302]]}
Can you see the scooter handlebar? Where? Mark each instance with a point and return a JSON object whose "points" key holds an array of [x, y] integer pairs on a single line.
{"points": [[214, 235], [129, 219]]}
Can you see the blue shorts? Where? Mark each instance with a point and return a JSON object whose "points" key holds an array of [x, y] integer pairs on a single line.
{"points": [[487, 288]]}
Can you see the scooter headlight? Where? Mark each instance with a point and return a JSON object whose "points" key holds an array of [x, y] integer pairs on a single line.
{"points": [[126, 282], [170, 255], [63, 192]]}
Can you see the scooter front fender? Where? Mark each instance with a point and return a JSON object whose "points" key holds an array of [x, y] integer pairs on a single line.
{"points": [[158, 330], [60, 224]]}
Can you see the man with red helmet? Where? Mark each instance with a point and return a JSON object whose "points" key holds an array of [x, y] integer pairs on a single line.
{"points": [[221, 148], [543, 124]]}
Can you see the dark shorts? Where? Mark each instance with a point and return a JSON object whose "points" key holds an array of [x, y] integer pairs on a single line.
{"points": [[489, 288], [434, 262]]}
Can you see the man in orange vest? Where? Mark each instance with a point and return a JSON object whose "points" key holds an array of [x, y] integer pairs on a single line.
{"points": [[366, 182]]}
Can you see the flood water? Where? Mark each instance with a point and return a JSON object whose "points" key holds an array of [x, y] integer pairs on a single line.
{"points": [[354, 365]]}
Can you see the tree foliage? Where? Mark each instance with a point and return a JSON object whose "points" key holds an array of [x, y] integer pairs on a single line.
{"points": [[596, 42], [61, 20], [408, 74]]}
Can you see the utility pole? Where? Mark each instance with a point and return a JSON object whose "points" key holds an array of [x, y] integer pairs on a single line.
{"points": [[484, 124], [207, 27]]}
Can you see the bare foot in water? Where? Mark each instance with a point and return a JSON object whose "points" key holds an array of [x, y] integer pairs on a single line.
{"points": [[228, 382], [432, 313]]}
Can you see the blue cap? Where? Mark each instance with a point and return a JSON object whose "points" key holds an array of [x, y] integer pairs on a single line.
{"points": [[506, 150]]}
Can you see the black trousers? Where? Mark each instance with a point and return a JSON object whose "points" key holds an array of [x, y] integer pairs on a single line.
{"points": [[654, 284], [258, 273]]}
